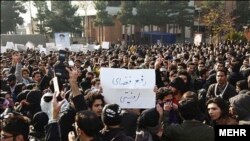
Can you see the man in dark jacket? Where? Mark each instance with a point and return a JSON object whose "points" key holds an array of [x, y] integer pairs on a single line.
{"points": [[112, 118], [222, 88], [187, 131]]}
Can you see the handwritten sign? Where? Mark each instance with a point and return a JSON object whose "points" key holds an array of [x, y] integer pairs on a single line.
{"points": [[128, 88]]}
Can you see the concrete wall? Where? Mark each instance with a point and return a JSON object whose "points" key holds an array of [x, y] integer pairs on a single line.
{"points": [[23, 39]]}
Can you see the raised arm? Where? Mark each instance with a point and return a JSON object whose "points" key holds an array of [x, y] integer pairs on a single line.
{"points": [[78, 98], [16, 60]]}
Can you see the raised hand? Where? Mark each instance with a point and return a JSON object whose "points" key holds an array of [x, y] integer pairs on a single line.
{"points": [[73, 74], [56, 106]]}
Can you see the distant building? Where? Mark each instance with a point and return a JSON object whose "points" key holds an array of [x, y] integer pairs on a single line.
{"points": [[118, 31], [32, 29], [21, 30]]}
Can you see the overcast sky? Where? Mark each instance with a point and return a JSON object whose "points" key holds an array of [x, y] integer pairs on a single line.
{"points": [[80, 11]]}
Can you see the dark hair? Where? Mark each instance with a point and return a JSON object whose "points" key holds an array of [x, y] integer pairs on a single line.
{"points": [[203, 71], [235, 66], [35, 72], [222, 104], [188, 109], [25, 69], [93, 81], [163, 92], [220, 62], [17, 125], [190, 64], [190, 95], [183, 65], [62, 35], [88, 122], [242, 84], [222, 70], [30, 86], [18, 88], [92, 96], [185, 73]]}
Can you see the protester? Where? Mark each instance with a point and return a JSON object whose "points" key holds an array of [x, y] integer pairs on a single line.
{"points": [[112, 118], [218, 110], [180, 67], [240, 106], [191, 128], [149, 125], [222, 88], [15, 128]]}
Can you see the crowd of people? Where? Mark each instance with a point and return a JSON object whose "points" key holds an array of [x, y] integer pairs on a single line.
{"points": [[197, 88]]}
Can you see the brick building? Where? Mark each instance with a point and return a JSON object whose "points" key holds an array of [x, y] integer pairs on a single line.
{"points": [[117, 31]]}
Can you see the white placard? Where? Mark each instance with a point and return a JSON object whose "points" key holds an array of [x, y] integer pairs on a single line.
{"points": [[158, 42], [30, 45], [71, 63], [97, 47], [197, 39], [76, 47], [55, 84], [105, 45], [84, 49], [60, 47], [20, 47], [3, 49], [89, 69], [62, 39], [42, 49], [91, 47], [39, 46], [129, 88], [10, 45], [50, 47]]}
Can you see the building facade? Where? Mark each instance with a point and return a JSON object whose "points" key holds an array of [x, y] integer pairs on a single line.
{"points": [[117, 31]]}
